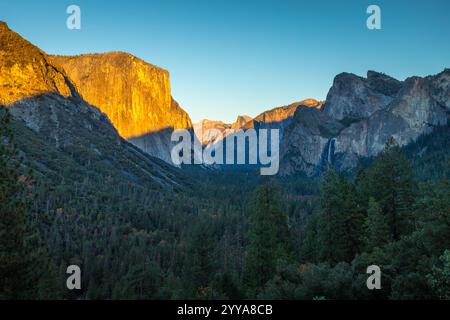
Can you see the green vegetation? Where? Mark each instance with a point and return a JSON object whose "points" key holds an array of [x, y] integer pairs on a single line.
{"points": [[405, 231], [218, 235], [269, 239], [13, 256], [25, 267]]}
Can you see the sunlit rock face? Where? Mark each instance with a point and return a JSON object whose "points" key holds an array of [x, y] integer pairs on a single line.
{"points": [[38, 92], [280, 114], [240, 122], [134, 94], [280, 117], [25, 70]]}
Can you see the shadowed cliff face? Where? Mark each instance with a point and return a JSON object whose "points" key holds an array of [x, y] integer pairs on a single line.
{"points": [[352, 97], [135, 95], [360, 116]]}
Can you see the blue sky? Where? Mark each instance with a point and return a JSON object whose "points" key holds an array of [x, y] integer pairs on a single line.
{"points": [[243, 57]]}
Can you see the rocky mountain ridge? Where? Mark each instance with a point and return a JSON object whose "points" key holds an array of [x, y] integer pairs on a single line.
{"points": [[276, 118], [26, 71], [360, 115], [48, 111]]}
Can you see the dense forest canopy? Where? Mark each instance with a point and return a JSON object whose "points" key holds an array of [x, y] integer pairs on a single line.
{"points": [[226, 235]]}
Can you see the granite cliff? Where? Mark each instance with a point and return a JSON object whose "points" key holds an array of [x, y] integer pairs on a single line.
{"points": [[359, 116], [134, 94]]}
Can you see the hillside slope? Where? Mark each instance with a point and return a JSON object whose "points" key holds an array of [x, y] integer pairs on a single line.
{"points": [[59, 125]]}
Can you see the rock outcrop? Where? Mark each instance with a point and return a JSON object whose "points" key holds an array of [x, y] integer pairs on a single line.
{"points": [[352, 98], [25, 70], [281, 114], [240, 122], [134, 94]]}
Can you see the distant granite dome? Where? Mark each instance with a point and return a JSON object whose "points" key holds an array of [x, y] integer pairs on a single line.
{"points": [[208, 131]]}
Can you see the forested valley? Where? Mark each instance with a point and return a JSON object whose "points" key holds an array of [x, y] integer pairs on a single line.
{"points": [[227, 235]]}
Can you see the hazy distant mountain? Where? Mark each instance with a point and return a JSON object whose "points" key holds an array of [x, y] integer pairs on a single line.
{"points": [[208, 131], [275, 118]]}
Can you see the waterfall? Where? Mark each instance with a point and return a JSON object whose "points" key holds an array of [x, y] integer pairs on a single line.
{"points": [[331, 150]]}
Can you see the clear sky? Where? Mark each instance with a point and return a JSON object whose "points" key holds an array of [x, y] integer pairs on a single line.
{"points": [[231, 57]]}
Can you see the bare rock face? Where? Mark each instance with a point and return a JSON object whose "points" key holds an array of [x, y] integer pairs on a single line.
{"points": [[382, 83], [421, 105], [352, 97], [305, 140], [360, 116], [36, 91], [134, 94]]}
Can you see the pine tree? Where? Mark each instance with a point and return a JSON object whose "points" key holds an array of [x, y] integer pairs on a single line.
{"points": [[309, 251], [13, 258], [392, 186], [199, 264], [327, 223], [439, 279], [341, 221], [377, 228], [269, 239]]}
